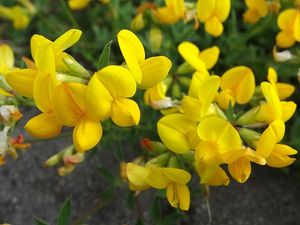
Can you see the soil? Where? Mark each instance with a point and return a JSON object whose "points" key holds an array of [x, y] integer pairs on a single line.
{"points": [[269, 197]]}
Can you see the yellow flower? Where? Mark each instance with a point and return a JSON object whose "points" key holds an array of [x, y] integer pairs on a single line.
{"points": [[238, 85], [276, 155], [213, 13], [202, 92], [177, 132], [289, 23], [284, 90], [107, 95], [21, 80], [78, 4], [274, 109], [257, 9], [240, 169], [147, 72], [200, 61], [172, 179], [218, 138], [70, 110], [171, 13], [16, 14]]}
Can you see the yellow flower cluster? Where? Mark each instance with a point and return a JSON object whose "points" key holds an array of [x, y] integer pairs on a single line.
{"points": [[207, 134], [68, 95]]}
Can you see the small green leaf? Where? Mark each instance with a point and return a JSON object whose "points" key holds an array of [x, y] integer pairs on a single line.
{"points": [[39, 221], [64, 212], [105, 56]]}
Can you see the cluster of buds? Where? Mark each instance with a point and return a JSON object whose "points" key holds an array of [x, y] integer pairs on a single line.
{"points": [[70, 159]]}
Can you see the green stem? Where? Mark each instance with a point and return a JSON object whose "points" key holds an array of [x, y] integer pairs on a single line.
{"points": [[69, 14]]}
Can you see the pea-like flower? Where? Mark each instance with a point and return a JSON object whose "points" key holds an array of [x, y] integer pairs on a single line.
{"points": [[108, 94], [213, 13], [289, 23], [147, 72], [171, 13]]}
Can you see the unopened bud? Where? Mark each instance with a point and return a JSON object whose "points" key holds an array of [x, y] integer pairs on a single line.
{"points": [[173, 162], [248, 117], [75, 69], [155, 39], [249, 136], [65, 170], [184, 68], [161, 160], [138, 22]]}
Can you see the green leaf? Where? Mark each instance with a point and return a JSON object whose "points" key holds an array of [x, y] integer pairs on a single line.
{"points": [[105, 56], [64, 212], [39, 221]]}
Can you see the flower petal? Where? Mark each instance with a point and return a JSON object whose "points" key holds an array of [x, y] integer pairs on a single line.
{"points": [[66, 40], [21, 80], [154, 70], [43, 125], [86, 134], [174, 130], [210, 56], [133, 52], [125, 112]]}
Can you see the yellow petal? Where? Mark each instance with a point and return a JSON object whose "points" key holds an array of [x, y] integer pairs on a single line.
{"points": [[44, 125], [213, 175], [44, 59], [184, 197], [173, 130], [196, 82], [240, 80], [297, 27], [284, 90], [137, 175], [117, 80], [272, 75], [214, 27], [220, 131], [176, 175], [210, 56], [6, 57], [280, 156], [66, 109], [125, 112], [222, 9], [37, 41], [271, 95], [98, 99], [133, 52], [66, 40], [288, 109], [205, 8], [166, 15], [22, 81], [254, 157], [86, 134], [43, 87], [192, 108], [154, 70], [156, 178], [286, 19], [285, 39], [240, 170], [190, 53], [272, 135]]}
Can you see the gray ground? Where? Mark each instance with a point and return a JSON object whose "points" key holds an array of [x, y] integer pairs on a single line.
{"points": [[270, 197]]}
